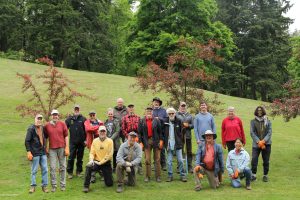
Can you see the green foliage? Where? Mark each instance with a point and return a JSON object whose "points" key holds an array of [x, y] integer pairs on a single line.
{"points": [[294, 61], [14, 55]]}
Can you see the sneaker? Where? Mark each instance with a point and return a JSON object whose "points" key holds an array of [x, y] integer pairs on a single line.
{"points": [[170, 179], [32, 189], [197, 188], [265, 178], [253, 177], [53, 189], [146, 180], [85, 190], [120, 188], [70, 176], [62, 189], [45, 189], [248, 187], [183, 179], [158, 179]]}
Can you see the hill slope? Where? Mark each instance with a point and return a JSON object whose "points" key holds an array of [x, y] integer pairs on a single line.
{"points": [[15, 176]]}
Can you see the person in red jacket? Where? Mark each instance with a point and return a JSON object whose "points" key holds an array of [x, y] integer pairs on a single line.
{"points": [[232, 128], [91, 126]]}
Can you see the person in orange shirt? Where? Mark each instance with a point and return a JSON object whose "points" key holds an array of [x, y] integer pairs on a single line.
{"points": [[209, 161]]}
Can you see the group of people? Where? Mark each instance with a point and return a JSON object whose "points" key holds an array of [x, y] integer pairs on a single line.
{"points": [[161, 134]]}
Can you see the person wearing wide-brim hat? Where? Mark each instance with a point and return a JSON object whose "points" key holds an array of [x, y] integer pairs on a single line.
{"points": [[209, 161], [160, 113]]}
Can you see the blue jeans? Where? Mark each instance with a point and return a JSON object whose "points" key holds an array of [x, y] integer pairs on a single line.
{"points": [[179, 160], [36, 162], [236, 183]]}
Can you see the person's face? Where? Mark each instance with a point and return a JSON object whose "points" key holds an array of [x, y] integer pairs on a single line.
{"points": [[203, 107], [182, 108], [155, 104], [231, 113], [39, 121], [131, 109], [76, 111], [259, 112], [110, 114], [120, 103], [102, 134], [149, 114], [55, 117], [209, 138], [92, 116], [171, 115], [131, 140], [238, 144]]}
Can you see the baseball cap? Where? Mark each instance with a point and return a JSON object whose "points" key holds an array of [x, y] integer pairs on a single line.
{"points": [[54, 112]]}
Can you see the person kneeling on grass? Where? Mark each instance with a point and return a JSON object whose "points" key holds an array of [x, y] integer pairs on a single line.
{"points": [[209, 161], [128, 159], [101, 153], [35, 144], [237, 165]]}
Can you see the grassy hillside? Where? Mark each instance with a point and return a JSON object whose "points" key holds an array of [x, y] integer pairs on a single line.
{"points": [[15, 169]]}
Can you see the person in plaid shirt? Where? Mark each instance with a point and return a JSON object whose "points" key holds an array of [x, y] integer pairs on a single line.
{"points": [[130, 121]]}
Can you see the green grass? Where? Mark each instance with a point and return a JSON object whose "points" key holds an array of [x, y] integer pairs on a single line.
{"points": [[15, 169]]}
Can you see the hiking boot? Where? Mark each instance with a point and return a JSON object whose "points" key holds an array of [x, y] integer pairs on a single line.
{"points": [[253, 177], [265, 178], [53, 189], [248, 187], [197, 188], [170, 179], [85, 190], [183, 179], [79, 174], [120, 188], [147, 179], [32, 189], [70, 176], [45, 189], [63, 189], [140, 171], [158, 179], [164, 168]]}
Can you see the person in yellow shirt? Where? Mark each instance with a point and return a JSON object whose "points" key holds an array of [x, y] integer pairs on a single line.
{"points": [[101, 153]]}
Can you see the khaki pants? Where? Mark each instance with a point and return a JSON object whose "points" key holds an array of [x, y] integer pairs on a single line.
{"points": [[59, 154], [120, 170], [213, 181], [156, 152]]}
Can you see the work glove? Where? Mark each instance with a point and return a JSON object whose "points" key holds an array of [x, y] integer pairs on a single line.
{"points": [[235, 174], [128, 169], [128, 164], [90, 163], [199, 171], [261, 144], [67, 151], [29, 156], [161, 144], [97, 163]]}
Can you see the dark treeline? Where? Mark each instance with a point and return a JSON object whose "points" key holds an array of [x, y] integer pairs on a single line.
{"points": [[110, 36]]}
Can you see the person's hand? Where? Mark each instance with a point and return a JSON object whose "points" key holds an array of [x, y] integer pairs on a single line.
{"points": [[128, 164], [262, 144], [236, 174], [161, 144], [67, 151], [29, 156], [47, 150], [90, 163], [186, 125], [224, 146]]}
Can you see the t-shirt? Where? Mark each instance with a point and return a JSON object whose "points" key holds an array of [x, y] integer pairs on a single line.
{"points": [[56, 134], [209, 157], [149, 127], [109, 127]]}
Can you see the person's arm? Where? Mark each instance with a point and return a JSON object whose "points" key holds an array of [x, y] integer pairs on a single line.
{"points": [[242, 131], [223, 133], [28, 139], [120, 156], [228, 166], [138, 159], [269, 132], [220, 157], [213, 124], [68, 122], [196, 130], [198, 157], [253, 132], [65, 132], [109, 154], [87, 126], [191, 123], [117, 129], [245, 162], [124, 127], [92, 152]]}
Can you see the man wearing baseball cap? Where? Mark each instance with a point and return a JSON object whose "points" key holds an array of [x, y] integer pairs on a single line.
{"points": [[35, 143], [101, 153], [75, 124], [128, 158], [56, 132], [209, 161]]}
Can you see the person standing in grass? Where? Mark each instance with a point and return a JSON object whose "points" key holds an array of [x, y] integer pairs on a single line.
{"points": [[232, 128], [128, 159], [35, 143], [151, 138], [113, 128], [119, 112], [203, 121], [75, 124], [57, 133], [261, 133], [173, 142], [100, 159], [187, 126], [209, 161], [237, 165]]}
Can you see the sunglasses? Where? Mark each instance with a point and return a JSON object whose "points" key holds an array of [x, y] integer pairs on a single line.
{"points": [[171, 113], [102, 131], [39, 118], [92, 115], [183, 105]]}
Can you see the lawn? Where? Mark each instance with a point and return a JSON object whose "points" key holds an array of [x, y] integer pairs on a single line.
{"points": [[15, 169]]}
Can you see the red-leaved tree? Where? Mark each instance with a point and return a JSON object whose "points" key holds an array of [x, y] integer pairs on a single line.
{"points": [[182, 76], [56, 93]]}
